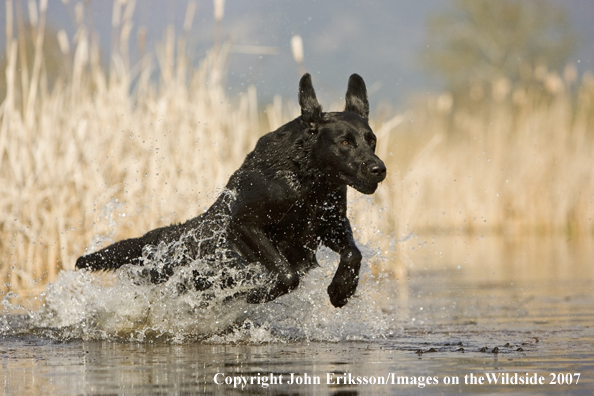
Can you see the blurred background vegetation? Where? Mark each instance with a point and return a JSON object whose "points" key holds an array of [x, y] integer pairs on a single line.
{"points": [[96, 146], [483, 48]]}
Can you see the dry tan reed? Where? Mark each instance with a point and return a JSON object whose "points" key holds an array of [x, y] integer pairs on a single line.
{"points": [[512, 168], [101, 157]]}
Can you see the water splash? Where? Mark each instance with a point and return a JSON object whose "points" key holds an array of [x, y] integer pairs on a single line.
{"points": [[109, 213], [124, 305], [89, 306]]}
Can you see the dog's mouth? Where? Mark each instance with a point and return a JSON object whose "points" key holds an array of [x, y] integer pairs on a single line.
{"points": [[364, 186]]}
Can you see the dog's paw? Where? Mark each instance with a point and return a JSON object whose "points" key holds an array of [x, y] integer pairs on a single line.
{"points": [[341, 290], [258, 296], [266, 294], [336, 298]]}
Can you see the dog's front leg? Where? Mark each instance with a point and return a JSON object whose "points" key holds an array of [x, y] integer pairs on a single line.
{"points": [[345, 281]]}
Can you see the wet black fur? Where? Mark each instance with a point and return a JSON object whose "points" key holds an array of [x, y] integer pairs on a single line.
{"points": [[287, 198]]}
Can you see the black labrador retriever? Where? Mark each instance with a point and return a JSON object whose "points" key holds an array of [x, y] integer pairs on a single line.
{"points": [[288, 197]]}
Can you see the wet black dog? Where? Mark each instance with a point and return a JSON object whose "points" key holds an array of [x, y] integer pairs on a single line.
{"points": [[287, 198]]}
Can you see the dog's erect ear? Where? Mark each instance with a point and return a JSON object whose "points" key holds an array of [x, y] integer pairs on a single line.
{"points": [[356, 97], [311, 111]]}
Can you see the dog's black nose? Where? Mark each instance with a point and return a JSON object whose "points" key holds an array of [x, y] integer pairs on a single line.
{"points": [[378, 170]]}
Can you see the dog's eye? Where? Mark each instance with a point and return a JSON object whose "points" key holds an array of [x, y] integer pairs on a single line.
{"points": [[372, 142], [345, 143]]}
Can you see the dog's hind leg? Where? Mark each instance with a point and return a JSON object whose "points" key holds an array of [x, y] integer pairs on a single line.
{"points": [[255, 243]]}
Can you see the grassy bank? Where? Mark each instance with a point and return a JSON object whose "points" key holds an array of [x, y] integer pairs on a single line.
{"points": [[103, 156]]}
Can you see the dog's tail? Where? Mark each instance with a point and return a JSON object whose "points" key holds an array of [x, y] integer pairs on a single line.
{"points": [[128, 251]]}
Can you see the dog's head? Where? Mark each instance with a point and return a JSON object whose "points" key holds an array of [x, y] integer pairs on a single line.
{"points": [[342, 144]]}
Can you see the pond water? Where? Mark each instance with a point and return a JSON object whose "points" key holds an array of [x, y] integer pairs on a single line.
{"points": [[462, 314]]}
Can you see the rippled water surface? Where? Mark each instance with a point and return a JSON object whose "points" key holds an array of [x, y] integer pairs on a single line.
{"points": [[460, 311]]}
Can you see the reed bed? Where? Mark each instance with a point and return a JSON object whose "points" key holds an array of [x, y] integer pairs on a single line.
{"points": [[103, 156], [518, 165]]}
